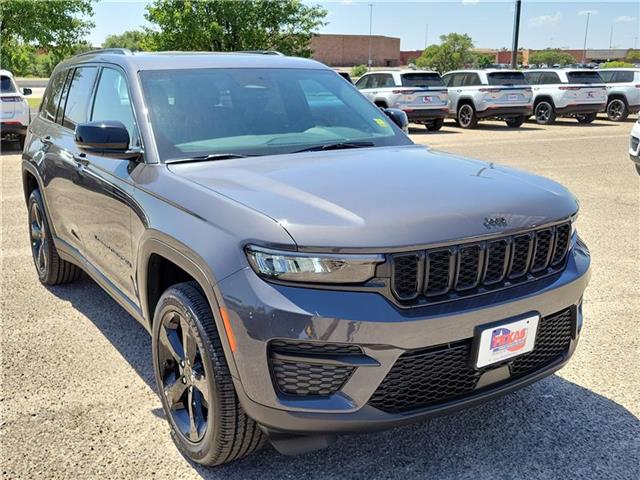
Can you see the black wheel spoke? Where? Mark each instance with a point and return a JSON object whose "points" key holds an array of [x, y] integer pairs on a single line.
{"points": [[189, 345], [175, 391], [169, 340], [200, 383], [42, 258], [193, 429]]}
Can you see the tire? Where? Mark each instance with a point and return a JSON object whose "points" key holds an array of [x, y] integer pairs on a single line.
{"points": [[515, 122], [434, 125], [585, 118], [51, 269], [638, 168], [467, 116], [617, 110], [220, 431], [544, 113], [21, 141]]}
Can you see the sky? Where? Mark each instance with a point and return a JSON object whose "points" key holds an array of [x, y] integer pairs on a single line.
{"points": [[544, 23]]}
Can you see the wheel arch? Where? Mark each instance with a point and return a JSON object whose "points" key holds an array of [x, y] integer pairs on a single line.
{"points": [[544, 98], [464, 101], [617, 96]]}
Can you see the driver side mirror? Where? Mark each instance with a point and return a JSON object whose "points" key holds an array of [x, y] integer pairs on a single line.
{"points": [[398, 117], [27, 91], [105, 137]]}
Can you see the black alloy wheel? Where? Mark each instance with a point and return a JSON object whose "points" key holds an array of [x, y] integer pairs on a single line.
{"points": [[39, 239], [544, 113], [617, 110], [467, 116]]}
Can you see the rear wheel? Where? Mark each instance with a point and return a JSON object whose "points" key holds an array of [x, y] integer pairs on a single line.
{"points": [[544, 113], [434, 125], [515, 122], [638, 168], [52, 270], [617, 110], [467, 116], [586, 117], [21, 140], [208, 425]]}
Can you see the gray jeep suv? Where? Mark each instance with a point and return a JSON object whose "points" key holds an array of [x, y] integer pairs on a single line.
{"points": [[304, 269]]}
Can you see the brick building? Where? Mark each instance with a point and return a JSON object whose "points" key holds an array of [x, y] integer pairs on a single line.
{"points": [[349, 50]]}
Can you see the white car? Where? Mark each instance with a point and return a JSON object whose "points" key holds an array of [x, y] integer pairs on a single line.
{"points": [[578, 93], [623, 92], [419, 93], [15, 109], [634, 145]]}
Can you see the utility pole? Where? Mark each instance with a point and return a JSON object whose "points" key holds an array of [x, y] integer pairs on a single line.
{"points": [[426, 36], [611, 38], [516, 35], [586, 32], [370, 63]]}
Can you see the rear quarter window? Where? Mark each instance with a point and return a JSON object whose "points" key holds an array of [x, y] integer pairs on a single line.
{"points": [[507, 78], [6, 85], [584, 77], [52, 96], [422, 80], [623, 77]]}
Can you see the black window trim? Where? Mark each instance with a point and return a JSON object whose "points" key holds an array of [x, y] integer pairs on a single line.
{"points": [[90, 102], [49, 91]]}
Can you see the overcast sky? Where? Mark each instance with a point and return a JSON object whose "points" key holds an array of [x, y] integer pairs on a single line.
{"points": [[544, 23]]}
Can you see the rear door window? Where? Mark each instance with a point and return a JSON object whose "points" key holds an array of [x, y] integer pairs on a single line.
{"points": [[77, 103], [471, 80], [422, 80], [549, 78], [52, 97], [584, 77], [6, 85], [532, 77], [507, 78]]}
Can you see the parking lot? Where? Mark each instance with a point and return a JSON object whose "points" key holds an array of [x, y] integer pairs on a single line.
{"points": [[78, 396]]}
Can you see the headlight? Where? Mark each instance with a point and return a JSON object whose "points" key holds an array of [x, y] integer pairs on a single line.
{"points": [[312, 268]]}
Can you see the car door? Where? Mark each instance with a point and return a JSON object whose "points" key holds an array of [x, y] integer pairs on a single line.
{"points": [[454, 82]]}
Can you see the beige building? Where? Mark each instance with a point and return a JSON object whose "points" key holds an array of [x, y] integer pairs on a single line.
{"points": [[349, 50]]}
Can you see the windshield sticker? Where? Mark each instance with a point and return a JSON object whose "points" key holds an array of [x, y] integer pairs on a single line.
{"points": [[381, 122]]}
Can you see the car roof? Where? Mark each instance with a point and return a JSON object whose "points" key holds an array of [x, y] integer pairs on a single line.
{"points": [[566, 70], [6, 73], [485, 70], [191, 60], [624, 69], [401, 71]]}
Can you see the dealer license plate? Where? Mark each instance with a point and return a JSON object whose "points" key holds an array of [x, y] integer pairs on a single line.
{"points": [[503, 341]]}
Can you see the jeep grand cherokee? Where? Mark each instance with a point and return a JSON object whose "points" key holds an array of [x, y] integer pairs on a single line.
{"points": [[304, 269]]}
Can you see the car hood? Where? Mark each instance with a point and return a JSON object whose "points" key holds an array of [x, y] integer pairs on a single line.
{"points": [[384, 197]]}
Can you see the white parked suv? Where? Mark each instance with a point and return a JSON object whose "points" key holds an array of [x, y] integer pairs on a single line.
{"points": [[419, 93], [578, 93], [634, 145], [15, 114], [488, 94], [623, 92]]}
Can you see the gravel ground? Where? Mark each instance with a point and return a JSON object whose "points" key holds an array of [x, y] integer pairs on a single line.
{"points": [[77, 398]]}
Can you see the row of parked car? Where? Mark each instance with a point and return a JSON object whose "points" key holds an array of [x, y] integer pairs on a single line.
{"points": [[509, 95]]}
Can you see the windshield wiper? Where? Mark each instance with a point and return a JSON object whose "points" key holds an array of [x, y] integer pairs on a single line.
{"points": [[335, 146], [204, 158]]}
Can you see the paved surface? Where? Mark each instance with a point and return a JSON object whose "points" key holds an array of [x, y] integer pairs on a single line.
{"points": [[77, 397]]}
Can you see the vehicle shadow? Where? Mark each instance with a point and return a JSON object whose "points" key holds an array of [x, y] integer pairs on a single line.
{"points": [[550, 430]]}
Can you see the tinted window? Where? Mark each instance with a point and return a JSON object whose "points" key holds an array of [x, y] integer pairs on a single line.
{"points": [[112, 102], [446, 79], [532, 77], [77, 104], [507, 78], [254, 111], [623, 76], [471, 80], [364, 82], [584, 77], [549, 78], [52, 97], [607, 76], [456, 80], [6, 85], [422, 80], [387, 81]]}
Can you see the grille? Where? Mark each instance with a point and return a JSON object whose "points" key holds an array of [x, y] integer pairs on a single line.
{"points": [[302, 378], [423, 378], [301, 347], [439, 274]]}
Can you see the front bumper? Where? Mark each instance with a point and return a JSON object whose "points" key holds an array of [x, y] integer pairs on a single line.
{"points": [[505, 112], [260, 312]]}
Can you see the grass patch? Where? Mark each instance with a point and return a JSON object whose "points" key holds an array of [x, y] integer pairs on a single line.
{"points": [[34, 102]]}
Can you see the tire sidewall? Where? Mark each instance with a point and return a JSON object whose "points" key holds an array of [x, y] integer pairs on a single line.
{"points": [[624, 110], [174, 300], [473, 112], [551, 113]]}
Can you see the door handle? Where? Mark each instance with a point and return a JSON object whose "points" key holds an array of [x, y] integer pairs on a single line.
{"points": [[47, 139], [81, 159]]}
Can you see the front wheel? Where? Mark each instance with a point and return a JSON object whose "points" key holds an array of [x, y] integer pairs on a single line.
{"points": [[544, 113], [434, 125], [515, 122], [586, 117], [208, 424], [617, 110], [467, 116]]}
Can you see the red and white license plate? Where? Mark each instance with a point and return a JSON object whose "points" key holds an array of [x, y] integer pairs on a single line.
{"points": [[427, 99], [503, 341]]}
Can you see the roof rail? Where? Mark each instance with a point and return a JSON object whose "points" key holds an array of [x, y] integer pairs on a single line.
{"points": [[263, 52], [117, 51]]}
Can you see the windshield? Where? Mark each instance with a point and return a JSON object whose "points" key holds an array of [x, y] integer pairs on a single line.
{"points": [[251, 111], [507, 78], [422, 80], [6, 85], [584, 77]]}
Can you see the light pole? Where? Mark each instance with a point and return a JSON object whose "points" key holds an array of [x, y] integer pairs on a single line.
{"points": [[586, 32], [426, 36], [370, 63], [611, 38], [516, 35]]}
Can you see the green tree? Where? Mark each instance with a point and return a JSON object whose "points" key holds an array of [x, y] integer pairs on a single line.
{"points": [[131, 39], [454, 51], [286, 25], [633, 56], [616, 65], [358, 70], [551, 57], [483, 61], [54, 24]]}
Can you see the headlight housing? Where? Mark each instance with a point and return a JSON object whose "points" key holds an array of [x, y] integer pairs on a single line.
{"points": [[313, 267]]}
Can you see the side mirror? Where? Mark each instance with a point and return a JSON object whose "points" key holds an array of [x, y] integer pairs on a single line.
{"points": [[106, 137], [398, 117], [27, 91]]}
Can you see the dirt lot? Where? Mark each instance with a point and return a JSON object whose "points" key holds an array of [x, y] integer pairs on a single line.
{"points": [[77, 398]]}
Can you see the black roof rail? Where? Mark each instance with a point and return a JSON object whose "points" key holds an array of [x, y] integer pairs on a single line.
{"points": [[263, 52], [117, 51]]}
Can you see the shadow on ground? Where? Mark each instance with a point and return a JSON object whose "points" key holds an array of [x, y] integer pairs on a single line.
{"points": [[550, 430]]}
